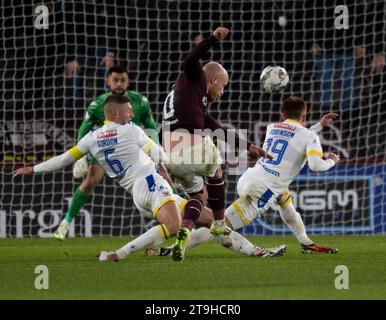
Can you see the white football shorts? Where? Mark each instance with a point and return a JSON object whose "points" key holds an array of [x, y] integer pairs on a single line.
{"points": [[191, 165]]}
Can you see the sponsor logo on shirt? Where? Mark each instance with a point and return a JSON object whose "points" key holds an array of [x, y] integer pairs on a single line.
{"points": [[285, 126], [106, 134], [270, 171], [205, 101]]}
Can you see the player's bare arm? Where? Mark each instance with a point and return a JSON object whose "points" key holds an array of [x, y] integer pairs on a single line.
{"points": [[327, 119], [24, 171], [258, 152]]}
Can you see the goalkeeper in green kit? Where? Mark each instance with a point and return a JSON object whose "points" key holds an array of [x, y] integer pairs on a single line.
{"points": [[118, 82]]}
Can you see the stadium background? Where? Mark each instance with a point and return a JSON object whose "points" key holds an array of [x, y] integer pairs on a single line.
{"points": [[42, 108]]}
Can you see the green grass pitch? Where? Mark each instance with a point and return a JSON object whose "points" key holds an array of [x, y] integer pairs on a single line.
{"points": [[208, 272]]}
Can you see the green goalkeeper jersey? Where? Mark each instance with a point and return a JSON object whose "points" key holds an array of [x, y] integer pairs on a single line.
{"points": [[95, 115]]}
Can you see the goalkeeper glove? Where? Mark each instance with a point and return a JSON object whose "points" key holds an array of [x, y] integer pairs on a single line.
{"points": [[80, 168]]}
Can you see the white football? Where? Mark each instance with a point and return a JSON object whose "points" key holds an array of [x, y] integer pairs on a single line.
{"points": [[273, 79]]}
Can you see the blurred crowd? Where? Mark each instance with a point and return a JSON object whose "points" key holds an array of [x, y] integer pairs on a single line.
{"points": [[57, 71]]}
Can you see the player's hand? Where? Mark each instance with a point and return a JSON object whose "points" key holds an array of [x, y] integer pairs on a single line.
{"points": [[327, 119], [258, 152], [334, 157], [23, 171], [108, 61], [378, 62], [80, 168], [221, 33]]}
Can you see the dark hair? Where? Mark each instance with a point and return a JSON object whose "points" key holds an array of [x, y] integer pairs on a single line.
{"points": [[117, 69], [293, 107], [118, 99]]}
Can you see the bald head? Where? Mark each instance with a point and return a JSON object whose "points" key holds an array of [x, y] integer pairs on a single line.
{"points": [[213, 69], [217, 78]]}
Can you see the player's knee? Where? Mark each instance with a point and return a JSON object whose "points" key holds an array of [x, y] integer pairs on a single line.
{"points": [[206, 217], [86, 186], [284, 199], [245, 202], [169, 215], [92, 180], [95, 175], [247, 207], [89, 184], [218, 174], [202, 196], [173, 226]]}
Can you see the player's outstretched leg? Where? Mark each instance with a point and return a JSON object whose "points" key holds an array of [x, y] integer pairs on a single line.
{"points": [[236, 218], [169, 219], [191, 213], [237, 243], [153, 237], [234, 241], [197, 237], [216, 200], [294, 222], [81, 197]]}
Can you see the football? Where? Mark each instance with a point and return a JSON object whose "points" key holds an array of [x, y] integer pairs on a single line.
{"points": [[273, 79]]}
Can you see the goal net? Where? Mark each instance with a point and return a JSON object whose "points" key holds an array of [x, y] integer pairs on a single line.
{"points": [[54, 57]]}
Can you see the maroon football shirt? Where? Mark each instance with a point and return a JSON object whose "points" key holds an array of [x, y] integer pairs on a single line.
{"points": [[186, 105]]}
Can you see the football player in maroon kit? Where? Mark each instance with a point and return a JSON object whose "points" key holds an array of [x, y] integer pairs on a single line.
{"points": [[193, 155]]}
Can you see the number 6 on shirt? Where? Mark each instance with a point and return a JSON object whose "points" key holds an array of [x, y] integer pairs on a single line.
{"points": [[115, 165]]}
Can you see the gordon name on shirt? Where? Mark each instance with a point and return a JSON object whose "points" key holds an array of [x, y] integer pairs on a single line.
{"points": [[107, 142]]}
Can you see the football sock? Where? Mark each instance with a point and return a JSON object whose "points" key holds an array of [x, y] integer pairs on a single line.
{"points": [[216, 197], [151, 238], [237, 243], [199, 236], [294, 222], [78, 201], [192, 213], [236, 214]]}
